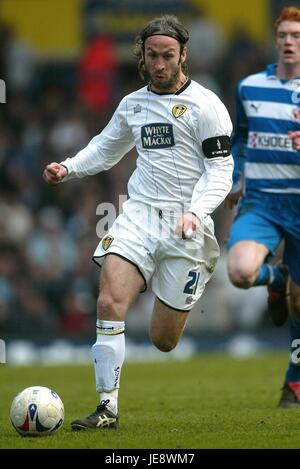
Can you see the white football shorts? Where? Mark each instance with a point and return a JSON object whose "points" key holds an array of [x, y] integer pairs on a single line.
{"points": [[179, 268]]}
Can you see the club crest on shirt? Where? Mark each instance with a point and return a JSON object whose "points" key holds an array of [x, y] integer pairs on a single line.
{"points": [[137, 109], [106, 242], [178, 110]]}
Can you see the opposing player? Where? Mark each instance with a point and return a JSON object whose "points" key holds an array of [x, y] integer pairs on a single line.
{"points": [[181, 132], [267, 123]]}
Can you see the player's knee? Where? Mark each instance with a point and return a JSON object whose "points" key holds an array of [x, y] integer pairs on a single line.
{"points": [[241, 277], [164, 344]]}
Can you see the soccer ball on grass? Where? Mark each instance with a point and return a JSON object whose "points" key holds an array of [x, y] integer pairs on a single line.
{"points": [[37, 411]]}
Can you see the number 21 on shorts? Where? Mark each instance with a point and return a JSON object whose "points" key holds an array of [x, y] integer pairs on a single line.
{"points": [[191, 285]]}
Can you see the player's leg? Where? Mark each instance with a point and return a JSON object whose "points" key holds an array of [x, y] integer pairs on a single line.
{"points": [[253, 238], [245, 259], [120, 283], [166, 326], [126, 269], [290, 396], [183, 269], [291, 390]]}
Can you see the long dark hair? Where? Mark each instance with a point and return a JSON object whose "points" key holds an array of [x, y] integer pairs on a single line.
{"points": [[166, 25]]}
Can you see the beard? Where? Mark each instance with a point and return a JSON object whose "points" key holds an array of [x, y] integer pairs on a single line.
{"points": [[168, 83]]}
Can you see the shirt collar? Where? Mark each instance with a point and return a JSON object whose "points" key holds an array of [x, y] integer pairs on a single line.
{"points": [[272, 73], [271, 70]]}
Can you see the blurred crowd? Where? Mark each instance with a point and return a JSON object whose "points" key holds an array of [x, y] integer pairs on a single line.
{"points": [[48, 283]]}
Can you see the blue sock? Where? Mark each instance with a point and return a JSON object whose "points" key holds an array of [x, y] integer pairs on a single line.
{"points": [[293, 371], [263, 276], [270, 275]]}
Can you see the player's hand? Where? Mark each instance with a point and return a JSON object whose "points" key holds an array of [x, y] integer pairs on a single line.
{"points": [[187, 226], [232, 199], [54, 173], [295, 137]]}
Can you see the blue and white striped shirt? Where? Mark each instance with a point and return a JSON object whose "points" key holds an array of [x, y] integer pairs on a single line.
{"points": [[267, 108]]}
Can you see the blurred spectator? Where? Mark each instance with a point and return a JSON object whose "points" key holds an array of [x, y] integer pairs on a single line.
{"points": [[33, 315], [77, 319], [15, 221], [50, 246], [234, 66], [97, 74], [207, 43], [17, 61], [68, 134]]}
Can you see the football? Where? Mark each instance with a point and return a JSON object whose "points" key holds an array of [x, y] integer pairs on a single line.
{"points": [[37, 410]]}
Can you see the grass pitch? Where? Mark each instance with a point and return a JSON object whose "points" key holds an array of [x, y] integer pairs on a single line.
{"points": [[212, 401]]}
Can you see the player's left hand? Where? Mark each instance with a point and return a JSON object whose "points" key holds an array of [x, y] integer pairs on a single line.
{"points": [[295, 137], [187, 226]]}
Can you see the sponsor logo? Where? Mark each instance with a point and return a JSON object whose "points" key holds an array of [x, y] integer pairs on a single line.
{"points": [[189, 300], [255, 106], [256, 140], [104, 421], [157, 136], [137, 109], [105, 328], [106, 242], [117, 375], [178, 110]]}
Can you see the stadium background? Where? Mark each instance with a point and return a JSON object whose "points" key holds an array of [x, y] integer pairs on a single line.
{"points": [[66, 65]]}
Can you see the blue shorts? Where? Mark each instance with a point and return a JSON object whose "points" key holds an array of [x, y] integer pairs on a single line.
{"points": [[268, 219]]}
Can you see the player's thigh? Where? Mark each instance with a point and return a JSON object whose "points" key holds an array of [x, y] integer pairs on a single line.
{"points": [[253, 223], [120, 284], [166, 325], [252, 237], [178, 282], [129, 240]]}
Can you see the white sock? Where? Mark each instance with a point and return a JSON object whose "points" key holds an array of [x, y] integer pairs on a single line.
{"points": [[112, 397], [108, 353]]}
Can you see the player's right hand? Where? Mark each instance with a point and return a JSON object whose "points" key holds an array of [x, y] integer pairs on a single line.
{"points": [[54, 173], [295, 137]]}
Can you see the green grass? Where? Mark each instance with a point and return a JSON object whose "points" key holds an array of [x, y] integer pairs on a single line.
{"points": [[212, 401]]}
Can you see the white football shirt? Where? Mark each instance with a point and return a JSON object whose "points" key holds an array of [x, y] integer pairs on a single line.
{"points": [[168, 131]]}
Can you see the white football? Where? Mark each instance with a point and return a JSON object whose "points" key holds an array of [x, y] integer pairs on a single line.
{"points": [[37, 411]]}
